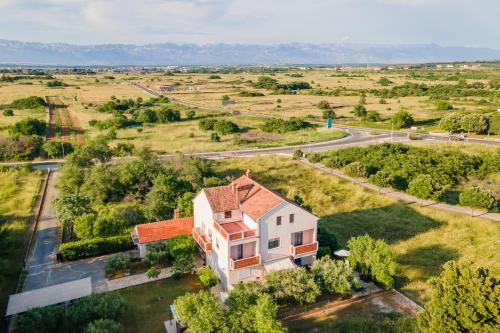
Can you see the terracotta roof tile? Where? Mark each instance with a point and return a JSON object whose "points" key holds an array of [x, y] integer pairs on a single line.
{"points": [[156, 231], [256, 199], [221, 198]]}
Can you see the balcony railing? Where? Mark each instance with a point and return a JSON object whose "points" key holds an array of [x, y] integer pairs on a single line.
{"points": [[301, 249], [244, 262], [202, 240], [235, 235]]}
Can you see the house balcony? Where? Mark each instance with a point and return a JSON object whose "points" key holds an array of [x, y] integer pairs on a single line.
{"points": [[297, 250], [202, 240], [233, 231], [244, 262]]}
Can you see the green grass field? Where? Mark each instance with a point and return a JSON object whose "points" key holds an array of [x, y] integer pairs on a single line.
{"points": [[18, 190], [148, 304], [422, 239]]}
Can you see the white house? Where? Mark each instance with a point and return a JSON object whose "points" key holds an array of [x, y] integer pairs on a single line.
{"points": [[246, 230]]}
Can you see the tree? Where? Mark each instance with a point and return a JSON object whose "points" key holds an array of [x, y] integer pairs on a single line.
{"points": [[8, 113], [190, 114], [474, 122], [265, 316], [334, 276], [451, 122], [384, 81], [183, 264], [94, 307], [327, 239], [402, 119], [104, 326], [185, 204], [373, 116], [293, 284], [180, 245], [360, 111], [324, 105], [207, 277], [157, 253], [162, 199], [116, 264], [423, 186], [356, 169], [374, 259], [40, 320], [83, 226], [29, 126], [225, 127], [153, 272], [69, 207], [200, 312], [464, 298], [56, 149], [477, 197]]}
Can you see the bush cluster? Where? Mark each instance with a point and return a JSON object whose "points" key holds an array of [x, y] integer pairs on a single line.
{"points": [[32, 102], [219, 125], [250, 94], [282, 126], [95, 247]]}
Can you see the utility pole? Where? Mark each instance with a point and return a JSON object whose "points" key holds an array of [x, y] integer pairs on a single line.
{"points": [[392, 130], [309, 140]]}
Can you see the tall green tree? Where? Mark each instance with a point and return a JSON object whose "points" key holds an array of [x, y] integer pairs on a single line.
{"points": [[200, 312], [425, 187], [293, 284], [334, 276], [69, 207], [464, 298]]}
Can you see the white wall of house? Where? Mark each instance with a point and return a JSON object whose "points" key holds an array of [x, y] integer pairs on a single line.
{"points": [[269, 229]]}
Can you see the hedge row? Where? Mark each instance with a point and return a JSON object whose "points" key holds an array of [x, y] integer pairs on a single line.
{"points": [[95, 247]]}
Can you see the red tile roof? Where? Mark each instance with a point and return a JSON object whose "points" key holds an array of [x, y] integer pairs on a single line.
{"points": [[254, 199], [156, 231]]}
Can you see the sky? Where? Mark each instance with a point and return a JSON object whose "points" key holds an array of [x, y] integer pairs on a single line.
{"points": [[444, 22]]}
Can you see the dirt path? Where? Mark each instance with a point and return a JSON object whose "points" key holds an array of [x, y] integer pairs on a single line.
{"points": [[69, 123]]}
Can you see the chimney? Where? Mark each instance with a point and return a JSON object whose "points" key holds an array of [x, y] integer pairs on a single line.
{"points": [[248, 173], [177, 213]]}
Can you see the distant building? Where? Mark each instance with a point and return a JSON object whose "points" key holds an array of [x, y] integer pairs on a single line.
{"points": [[164, 88]]}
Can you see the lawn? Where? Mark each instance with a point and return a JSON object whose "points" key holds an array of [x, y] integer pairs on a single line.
{"points": [[18, 191], [422, 239], [148, 304]]}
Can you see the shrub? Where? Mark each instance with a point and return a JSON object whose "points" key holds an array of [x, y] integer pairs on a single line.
{"points": [[451, 122], [329, 114], [32, 102], [443, 105], [29, 126], [293, 284], [180, 245], [55, 83], [425, 187], [8, 113], [104, 326], [214, 77], [157, 253], [494, 127], [384, 81], [207, 124], [477, 197], [283, 126], [153, 272], [56, 149], [40, 320], [183, 263], [313, 157], [95, 247], [360, 111], [207, 277], [215, 137], [225, 127], [99, 306], [381, 179], [374, 259], [324, 105], [474, 122], [373, 116], [297, 153], [190, 114], [402, 119], [334, 276], [464, 298], [117, 264], [250, 94], [356, 169], [167, 116]]}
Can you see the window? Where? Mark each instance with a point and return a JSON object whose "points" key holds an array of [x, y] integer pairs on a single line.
{"points": [[273, 243], [227, 215], [239, 252], [278, 220], [292, 218], [297, 238]]}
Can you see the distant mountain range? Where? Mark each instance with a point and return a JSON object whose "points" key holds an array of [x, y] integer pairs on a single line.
{"points": [[27, 53]]}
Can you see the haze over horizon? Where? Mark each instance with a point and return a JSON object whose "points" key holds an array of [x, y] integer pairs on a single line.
{"points": [[390, 22]]}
